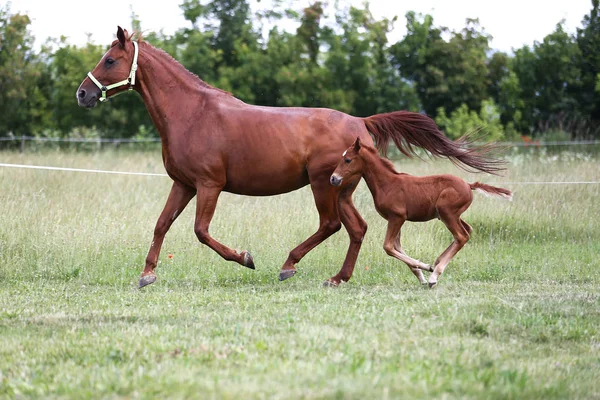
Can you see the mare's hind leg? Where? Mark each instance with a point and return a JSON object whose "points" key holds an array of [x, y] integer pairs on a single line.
{"points": [[461, 236], [467, 227], [326, 198], [356, 228], [179, 197], [392, 247], [205, 208]]}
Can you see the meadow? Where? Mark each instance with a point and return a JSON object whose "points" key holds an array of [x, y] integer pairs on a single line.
{"points": [[516, 314]]}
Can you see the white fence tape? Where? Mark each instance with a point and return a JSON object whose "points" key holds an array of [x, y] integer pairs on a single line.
{"points": [[98, 171]]}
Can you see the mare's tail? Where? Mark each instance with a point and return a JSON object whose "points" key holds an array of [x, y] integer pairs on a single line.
{"points": [[407, 129], [492, 190]]}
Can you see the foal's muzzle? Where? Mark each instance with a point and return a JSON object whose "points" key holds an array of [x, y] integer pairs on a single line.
{"points": [[335, 180]]}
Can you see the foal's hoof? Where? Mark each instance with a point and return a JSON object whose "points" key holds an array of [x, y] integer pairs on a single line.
{"points": [[147, 280], [286, 273], [248, 261], [432, 285], [331, 284]]}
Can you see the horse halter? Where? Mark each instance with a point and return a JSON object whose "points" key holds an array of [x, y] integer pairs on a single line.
{"points": [[129, 81]]}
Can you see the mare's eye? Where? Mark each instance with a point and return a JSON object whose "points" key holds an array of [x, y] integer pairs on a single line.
{"points": [[347, 160], [110, 61]]}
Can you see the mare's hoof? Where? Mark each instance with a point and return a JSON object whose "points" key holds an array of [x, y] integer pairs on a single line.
{"points": [[248, 261], [286, 273], [147, 280], [432, 285], [428, 268], [329, 283]]}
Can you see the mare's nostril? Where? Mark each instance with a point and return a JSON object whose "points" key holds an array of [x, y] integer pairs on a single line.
{"points": [[81, 93]]}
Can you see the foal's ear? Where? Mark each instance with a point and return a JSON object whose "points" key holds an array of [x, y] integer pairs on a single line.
{"points": [[357, 144], [121, 35]]}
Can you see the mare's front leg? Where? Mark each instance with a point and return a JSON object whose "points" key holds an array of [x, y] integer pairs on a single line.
{"points": [[179, 197], [392, 247], [356, 228], [205, 208], [326, 197]]}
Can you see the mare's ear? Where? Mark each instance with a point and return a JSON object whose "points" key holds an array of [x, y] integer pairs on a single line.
{"points": [[357, 144], [121, 35]]}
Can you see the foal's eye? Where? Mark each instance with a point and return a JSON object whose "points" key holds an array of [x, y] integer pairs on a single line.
{"points": [[110, 61], [347, 160]]}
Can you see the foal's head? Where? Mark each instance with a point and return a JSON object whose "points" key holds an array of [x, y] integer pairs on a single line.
{"points": [[116, 66], [349, 169]]}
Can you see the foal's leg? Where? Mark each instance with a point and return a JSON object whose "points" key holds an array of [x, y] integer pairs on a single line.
{"points": [[419, 264], [326, 197], [461, 237], [356, 228], [179, 197], [391, 245], [205, 208]]}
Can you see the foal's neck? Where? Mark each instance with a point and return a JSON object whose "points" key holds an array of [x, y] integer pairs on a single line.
{"points": [[378, 173]]}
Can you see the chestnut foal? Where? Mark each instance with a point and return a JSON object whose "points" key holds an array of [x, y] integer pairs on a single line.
{"points": [[400, 197]]}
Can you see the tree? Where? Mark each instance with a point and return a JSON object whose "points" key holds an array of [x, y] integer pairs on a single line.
{"points": [[548, 79], [309, 30], [20, 74], [359, 62], [588, 41], [446, 73]]}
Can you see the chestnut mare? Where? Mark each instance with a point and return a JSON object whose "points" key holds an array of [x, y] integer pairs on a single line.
{"points": [[401, 197], [213, 142]]}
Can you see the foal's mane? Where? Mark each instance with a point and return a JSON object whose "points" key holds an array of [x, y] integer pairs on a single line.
{"points": [[168, 57], [384, 161]]}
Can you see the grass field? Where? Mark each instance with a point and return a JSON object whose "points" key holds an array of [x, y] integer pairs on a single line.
{"points": [[516, 314]]}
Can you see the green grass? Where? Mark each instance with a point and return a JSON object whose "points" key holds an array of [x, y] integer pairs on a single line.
{"points": [[516, 314]]}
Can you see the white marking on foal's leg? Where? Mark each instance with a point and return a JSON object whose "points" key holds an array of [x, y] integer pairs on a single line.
{"points": [[434, 276], [420, 276]]}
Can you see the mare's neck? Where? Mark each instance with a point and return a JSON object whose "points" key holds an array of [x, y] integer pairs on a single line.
{"points": [[169, 91], [377, 175]]}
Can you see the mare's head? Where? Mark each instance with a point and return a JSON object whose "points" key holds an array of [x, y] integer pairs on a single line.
{"points": [[114, 73], [349, 169]]}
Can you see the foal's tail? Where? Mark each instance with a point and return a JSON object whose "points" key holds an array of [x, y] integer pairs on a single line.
{"points": [[407, 129], [492, 190]]}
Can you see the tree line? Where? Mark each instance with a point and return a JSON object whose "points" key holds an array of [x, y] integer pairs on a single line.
{"points": [[550, 90]]}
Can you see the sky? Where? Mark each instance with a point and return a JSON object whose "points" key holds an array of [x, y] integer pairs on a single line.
{"points": [[512, 23]]}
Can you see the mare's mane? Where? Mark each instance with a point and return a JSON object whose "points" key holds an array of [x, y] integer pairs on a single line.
{"points": [[169, 58]]}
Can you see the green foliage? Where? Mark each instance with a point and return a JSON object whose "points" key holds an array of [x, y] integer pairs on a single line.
{"points": [[588, 41], [446, 73], [463, 120], [21, 74]]}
